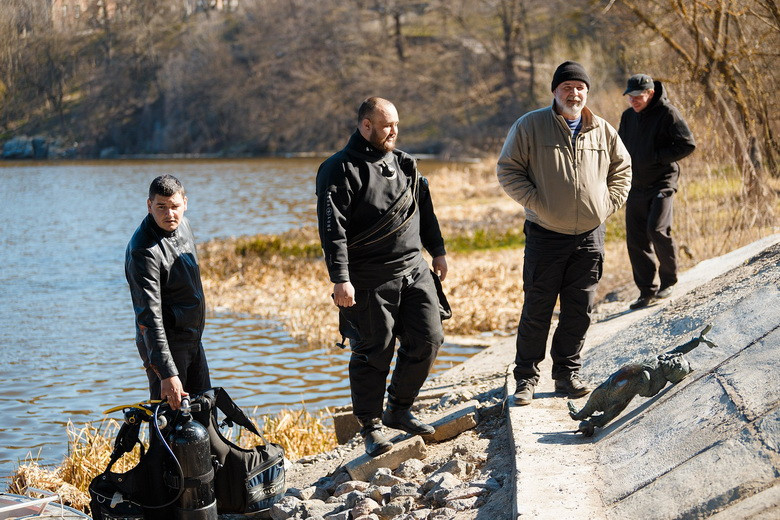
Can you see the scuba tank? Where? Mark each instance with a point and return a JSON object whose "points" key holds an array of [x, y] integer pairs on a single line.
{"points": [[189, 442]]}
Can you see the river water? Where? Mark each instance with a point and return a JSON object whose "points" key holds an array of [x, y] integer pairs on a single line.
{"points": [[66, 324]]}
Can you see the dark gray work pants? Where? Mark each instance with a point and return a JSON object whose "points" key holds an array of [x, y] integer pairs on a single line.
{"points": [[556, 265], [193, 371], [406, 308], [649, 237]]}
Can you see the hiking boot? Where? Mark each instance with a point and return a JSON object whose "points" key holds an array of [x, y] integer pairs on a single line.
{"points": [[572, 386], [664, 292], [375, 442], [402, 419], [524, 393], [642, 301]]}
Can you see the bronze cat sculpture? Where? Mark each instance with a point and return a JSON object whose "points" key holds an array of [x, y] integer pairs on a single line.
{"points": [[645, 379]]}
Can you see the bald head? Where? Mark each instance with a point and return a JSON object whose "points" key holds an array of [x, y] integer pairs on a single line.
{"points": [[378, 123]]}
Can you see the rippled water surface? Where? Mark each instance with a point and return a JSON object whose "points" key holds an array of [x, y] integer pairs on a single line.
{"points": [[66, 325]]}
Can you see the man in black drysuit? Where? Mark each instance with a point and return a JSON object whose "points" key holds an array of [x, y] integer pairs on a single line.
{"points": [[161, 267], [375, 215], [656, 136]]}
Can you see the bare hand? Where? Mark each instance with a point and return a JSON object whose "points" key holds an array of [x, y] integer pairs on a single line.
{"points": [[440, 267], [172, 389], [344, 294]]}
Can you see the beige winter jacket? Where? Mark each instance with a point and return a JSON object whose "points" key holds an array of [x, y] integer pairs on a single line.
{"points": [[562, 189]]}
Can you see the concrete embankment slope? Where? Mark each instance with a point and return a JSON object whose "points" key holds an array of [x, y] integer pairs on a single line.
{"points": [[708, 447]]}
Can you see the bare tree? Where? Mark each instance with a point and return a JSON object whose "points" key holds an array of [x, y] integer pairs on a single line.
{"points": [[730, 49]]}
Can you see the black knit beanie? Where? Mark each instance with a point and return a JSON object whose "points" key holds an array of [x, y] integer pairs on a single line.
{"points": [[570, 71]]}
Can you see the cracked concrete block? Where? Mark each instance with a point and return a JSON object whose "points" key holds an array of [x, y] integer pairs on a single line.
{"points": [[462, 418], [345, 424], [364, 467]]}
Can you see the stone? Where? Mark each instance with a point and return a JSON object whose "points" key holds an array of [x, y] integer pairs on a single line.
{"points": [[466, 492], [379, 493], [366, 517], [410, 469], [301, 494], [461, 419], [363, 467], [456, 467], [318, 507], [444, 513], [364, 507], [20, 147], [462, 504], [491, 484], [353, 498], [350, 486], [341, 515], [345, 424], [441, 481], [406, 489], [396, 507], [385, 477], [286, 508]]}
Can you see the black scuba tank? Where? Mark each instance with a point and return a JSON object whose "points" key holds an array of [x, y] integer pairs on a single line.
{"points": [[189, 442]]}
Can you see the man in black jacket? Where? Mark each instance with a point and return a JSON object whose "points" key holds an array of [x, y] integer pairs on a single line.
{"points": [[656, 136], [375, 215], [161, 267]]}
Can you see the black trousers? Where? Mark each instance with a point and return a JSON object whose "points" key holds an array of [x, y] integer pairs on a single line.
{"points": [[649, 237], [568, 266], [406, 308], [193, 371]]}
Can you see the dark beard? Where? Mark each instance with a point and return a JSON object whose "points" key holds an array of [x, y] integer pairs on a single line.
{"points": [[383, 146]]}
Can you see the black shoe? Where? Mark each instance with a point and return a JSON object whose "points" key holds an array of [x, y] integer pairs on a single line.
{"points": [[524, 393], [375, 442], [642, 301], [665, 292], [402, 419], [572, 386]]}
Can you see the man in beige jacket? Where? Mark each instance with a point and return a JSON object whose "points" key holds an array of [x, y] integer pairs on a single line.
{"points": [[570, 171]]}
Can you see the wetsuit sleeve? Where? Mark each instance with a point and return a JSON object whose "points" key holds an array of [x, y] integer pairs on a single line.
{"points": [[681, 142], [143, 275], [430, 232], [334, 198], [513, 168], [619, 175]]}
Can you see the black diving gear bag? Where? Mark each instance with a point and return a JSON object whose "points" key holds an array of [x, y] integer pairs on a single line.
{"points": [[245, 480]]}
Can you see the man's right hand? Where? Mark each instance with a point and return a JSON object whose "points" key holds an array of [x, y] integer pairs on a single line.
{"points": [[172, 389], [344, 294]]}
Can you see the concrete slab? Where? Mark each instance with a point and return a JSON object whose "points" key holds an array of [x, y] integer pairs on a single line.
{"points": [[701, 447]]}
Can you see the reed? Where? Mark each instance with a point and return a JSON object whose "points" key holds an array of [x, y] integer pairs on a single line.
{"points": [[89, 449], [482, 227]]}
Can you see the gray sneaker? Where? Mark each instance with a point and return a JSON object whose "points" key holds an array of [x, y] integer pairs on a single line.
{"points": [[524, 393], [664, 292]]}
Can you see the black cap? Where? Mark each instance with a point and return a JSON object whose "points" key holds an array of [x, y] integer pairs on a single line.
{"points": [[638, 83], [570, 71]]}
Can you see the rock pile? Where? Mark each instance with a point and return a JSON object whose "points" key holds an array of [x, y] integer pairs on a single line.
{"points": [[416, 490], [409, 482]]}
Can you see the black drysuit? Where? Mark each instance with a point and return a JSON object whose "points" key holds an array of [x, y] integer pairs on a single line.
{"points": [[656, 137], [395, 293], [162, 270]]}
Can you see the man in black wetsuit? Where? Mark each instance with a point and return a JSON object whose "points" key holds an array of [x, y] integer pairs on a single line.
{"points": [[375, 215], [161, 267]]}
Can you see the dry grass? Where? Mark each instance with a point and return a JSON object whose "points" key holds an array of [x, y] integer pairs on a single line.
{"points": [[89, 450], [484, 284]]}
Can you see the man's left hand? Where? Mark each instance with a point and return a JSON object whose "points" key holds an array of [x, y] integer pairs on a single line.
{"points": [[172, 390], [440, 267]]}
